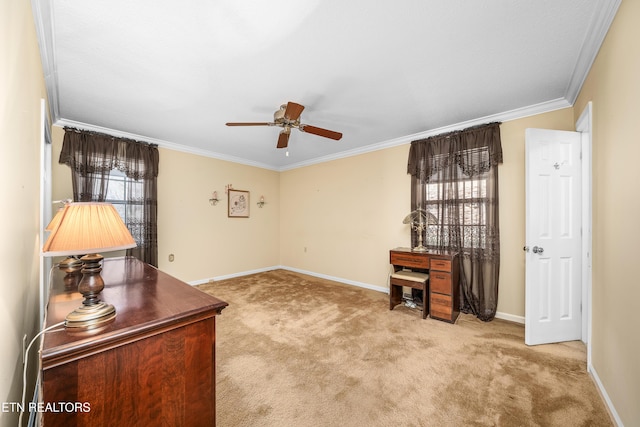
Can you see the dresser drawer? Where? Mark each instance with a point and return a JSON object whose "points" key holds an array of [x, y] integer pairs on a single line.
{"points": [[440, 306], [441, 264], [440, 282], [408, 259]]}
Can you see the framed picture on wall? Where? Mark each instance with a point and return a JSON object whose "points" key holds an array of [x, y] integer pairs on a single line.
{"points": [[238, 204]]}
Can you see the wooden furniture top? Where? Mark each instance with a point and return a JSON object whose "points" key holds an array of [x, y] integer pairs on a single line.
{"points": [[405, 257], [147, 301], [429, 252]]}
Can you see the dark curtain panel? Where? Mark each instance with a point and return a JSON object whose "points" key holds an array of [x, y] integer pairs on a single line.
{"points": [[454, 176], [92, 156]]}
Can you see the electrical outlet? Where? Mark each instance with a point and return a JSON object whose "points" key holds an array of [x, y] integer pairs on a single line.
{"points": [[24, 348], [171, 257]]}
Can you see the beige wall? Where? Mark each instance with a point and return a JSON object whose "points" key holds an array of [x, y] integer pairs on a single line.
{"points": [[613, 87], [204, 241], [348, 213], [22, 88]]}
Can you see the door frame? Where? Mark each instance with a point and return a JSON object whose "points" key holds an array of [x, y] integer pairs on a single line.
{"points": [[45, 204], [584, 125]]}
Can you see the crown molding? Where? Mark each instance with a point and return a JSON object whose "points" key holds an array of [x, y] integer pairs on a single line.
{"points": [[43, 20], [519, 113], [162, 144], [600, 23]]}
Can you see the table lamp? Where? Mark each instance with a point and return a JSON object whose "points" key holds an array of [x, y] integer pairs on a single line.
{"points": [[419, 220], [86, 228]]}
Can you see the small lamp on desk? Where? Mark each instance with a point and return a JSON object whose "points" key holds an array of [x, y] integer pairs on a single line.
{"points": [[86, 228], [419, 220]]}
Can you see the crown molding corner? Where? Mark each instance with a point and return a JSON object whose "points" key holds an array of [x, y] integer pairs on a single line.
{"points": [[601, 22]]}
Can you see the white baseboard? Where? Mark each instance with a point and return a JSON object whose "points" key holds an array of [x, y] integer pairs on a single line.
{"points": [[510, 317], [338, 279], [233, 275], [499, 315], [605, 396], [296, 270]]}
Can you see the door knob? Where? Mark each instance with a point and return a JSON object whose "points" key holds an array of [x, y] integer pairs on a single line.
{"points": [[537, 250]]}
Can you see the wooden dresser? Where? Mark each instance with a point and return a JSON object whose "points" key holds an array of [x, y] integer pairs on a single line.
{"points": [[444, 287], [154, 365]]}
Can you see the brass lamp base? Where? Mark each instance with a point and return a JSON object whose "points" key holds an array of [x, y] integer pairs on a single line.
{"points": [[90, 316], [93, 313]]}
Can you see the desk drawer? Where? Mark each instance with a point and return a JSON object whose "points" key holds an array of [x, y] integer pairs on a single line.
{"points": [[440, 282], [441, 306], [408, 259], [440, 264]]}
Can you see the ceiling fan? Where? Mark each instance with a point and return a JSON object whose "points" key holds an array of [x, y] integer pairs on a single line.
{"points": [[288, 117]]}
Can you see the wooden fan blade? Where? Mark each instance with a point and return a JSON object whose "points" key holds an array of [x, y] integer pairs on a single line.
{"points": [[321, 132], [293, 111], [250, 124], [283, 139]]}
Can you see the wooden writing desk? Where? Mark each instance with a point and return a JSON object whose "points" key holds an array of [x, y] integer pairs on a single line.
{"points": [[443, 301], [154, 365]]}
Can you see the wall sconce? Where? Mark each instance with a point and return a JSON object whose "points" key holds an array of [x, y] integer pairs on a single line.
{"points": [[261, 202], [214, 199]]}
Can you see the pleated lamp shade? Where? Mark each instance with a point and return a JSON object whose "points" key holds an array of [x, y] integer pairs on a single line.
{"points": [[55, 221], [85, 228]]}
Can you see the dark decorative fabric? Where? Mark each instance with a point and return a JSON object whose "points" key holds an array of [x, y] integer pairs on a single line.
{"points": [[92, 156], [454, 176]]}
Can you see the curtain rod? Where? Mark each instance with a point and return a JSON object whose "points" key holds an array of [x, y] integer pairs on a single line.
{"points": [[116, 138], [459, 131]]}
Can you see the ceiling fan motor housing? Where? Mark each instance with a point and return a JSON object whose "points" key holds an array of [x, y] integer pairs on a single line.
{"points": [[280, 119]]}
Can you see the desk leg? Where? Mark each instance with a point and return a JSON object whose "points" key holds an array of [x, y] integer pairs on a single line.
{"points": [[425, 299], [395, 296]]}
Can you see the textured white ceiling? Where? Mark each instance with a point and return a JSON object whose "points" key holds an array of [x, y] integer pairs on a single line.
{"points": [[382, 73]]}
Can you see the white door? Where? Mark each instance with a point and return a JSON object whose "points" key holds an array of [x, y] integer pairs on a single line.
{"points": [[553, 237]]}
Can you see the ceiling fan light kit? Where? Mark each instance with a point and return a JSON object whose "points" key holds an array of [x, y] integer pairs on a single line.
{"points": [[288, 117]]}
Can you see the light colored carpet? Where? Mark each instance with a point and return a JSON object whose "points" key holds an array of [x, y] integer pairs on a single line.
{"points": [[295, 350]]}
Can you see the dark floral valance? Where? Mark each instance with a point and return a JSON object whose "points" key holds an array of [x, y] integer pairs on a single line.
{"points": [[91, 152], [475, 150]]}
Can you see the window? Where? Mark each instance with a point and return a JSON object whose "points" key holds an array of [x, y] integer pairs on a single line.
{"points": [[126, 195], [468, 207], [122, 172], [459, 203]]}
